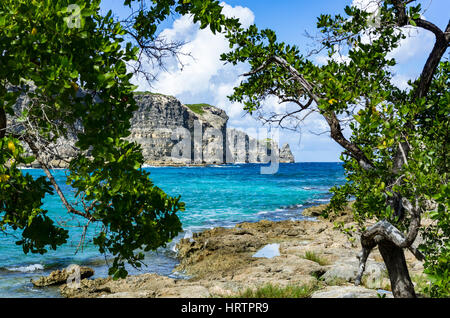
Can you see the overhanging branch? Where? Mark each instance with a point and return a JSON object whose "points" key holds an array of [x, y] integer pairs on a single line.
{"points": [[330, 116], [2, 122], [28, 139]]}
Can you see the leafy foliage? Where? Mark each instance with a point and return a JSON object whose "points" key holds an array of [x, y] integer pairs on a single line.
{"points": [[398, 148], [70, 77], [434, 169]]}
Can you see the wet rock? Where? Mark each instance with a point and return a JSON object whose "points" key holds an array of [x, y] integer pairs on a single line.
{"points": [[341, 216], [268, 251]]}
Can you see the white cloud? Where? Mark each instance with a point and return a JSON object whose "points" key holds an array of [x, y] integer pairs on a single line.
{"points": [[245, 15], [194, 71], [367, 5], [206, 79], [412, 48], [401, 81], [337, 57], [417, 42], [202, 76]]}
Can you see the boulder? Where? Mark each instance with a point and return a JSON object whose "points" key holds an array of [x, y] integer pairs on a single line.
{"points": [[345, 271], [346, 215]]}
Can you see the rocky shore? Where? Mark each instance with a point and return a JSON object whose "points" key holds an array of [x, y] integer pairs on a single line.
{"points": [[221, 263]]}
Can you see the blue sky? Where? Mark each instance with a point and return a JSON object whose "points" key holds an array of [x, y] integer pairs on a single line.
{"points": [[204, 79]]}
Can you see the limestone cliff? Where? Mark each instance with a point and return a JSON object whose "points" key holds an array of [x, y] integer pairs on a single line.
{"points": [[245, 149], [286, 154], [171, 133]]}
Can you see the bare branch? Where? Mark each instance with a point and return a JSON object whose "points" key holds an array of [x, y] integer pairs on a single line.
{"points": [[49, 175], [405, 160], [2, 122], [367, 248], [330, 116]]}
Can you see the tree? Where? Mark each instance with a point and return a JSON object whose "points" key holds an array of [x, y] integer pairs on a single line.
{"points": [[396, 158], [63, 72]]}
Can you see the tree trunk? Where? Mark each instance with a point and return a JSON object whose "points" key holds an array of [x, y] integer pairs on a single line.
{"points": [[395, 261], [2, 122]]}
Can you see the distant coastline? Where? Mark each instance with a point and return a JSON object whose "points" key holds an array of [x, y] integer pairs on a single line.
{"points": [[173, 134], [60, 164]]}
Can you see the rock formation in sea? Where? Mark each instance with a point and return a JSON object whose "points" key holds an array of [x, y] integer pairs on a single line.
{"points": [[172, 133]]}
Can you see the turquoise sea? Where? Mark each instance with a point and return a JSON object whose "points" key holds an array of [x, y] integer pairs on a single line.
{"points": [[214, 196]]}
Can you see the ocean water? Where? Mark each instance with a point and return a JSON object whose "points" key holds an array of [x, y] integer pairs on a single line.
{"points": [[214, 196]]}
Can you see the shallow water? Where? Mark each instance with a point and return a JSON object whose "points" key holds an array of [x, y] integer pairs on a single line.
{"points": [[268, 251], [214, 196]]}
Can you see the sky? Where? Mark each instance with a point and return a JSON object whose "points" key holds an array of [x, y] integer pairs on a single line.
{"points": [[206, 79]]}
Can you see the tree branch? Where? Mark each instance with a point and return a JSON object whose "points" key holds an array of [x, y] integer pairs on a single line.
{"points": [[441, 45], [368, 246], [2, 122], [384, 230], [49, 175], [330, 116]]}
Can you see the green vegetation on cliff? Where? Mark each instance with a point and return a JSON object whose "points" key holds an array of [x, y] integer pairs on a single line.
{"points": [[151, 93], [198, 108]]}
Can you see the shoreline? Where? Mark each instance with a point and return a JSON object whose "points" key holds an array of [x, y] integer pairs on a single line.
{"points": [[310, 254], [221, 262], [64, 165]]}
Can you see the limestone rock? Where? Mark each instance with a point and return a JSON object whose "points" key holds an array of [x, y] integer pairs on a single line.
{"points": [[162, 123], [342, 216], [60, 277], [242, 148], [219, 263], [132, 294], [185, 291], [347, 292], [286, 155], [375, 274]]}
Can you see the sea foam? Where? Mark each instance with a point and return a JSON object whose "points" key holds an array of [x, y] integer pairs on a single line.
{"points": [[26, 269]]}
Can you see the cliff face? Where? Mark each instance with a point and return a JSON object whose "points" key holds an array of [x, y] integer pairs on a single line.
{"points": [[245, 149], [171, 133], [286, 155]]}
